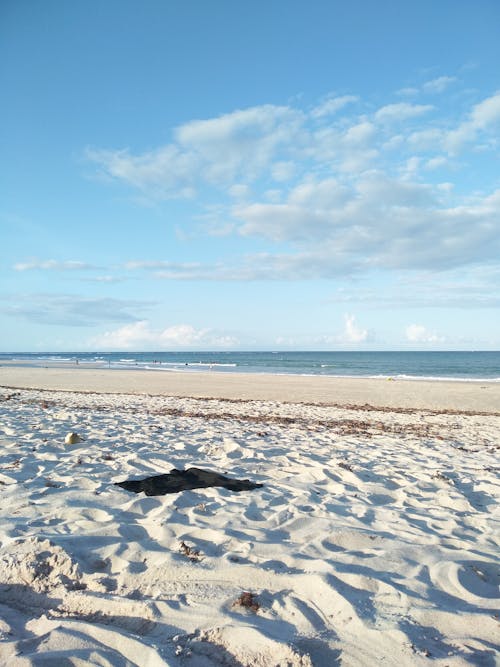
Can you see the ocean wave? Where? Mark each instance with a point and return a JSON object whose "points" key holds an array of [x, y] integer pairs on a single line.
{"points": [[434, 378], [429, 367]]}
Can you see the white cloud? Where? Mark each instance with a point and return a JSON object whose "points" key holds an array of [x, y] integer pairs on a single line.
{"points": [[393, 143], [486, 112], [401, 111], [410, 169], [283, 171], [309, 213], [438, 85], [332, 105], [235, 149], [462, 288], [409, 91], [273, 195], [134, 265], [436, 162], [426, 139], [350, 336], [416, 333], [379, 221], [352, 194], [53, 265], [242, 142], [261, 266], [484, 116], [434, 86], [140, 335], [165, 172], [323, 194], [72, 310], [352, 333], [281, 143], [238, 146], [359, 134], [258, 266], [239, 191], [349, 149], [281, 222], [107, 279]]}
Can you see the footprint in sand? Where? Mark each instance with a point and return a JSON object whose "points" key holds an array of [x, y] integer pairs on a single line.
{"points": [[474, 582]]}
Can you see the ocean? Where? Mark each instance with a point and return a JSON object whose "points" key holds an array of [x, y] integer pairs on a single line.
{"points": [[465, 366]]}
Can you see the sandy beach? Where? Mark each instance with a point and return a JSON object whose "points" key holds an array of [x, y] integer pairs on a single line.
{"points": [[476, 397], [373, 538]]}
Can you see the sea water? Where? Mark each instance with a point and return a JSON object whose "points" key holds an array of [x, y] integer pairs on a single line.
{"points": [[466, 366]]}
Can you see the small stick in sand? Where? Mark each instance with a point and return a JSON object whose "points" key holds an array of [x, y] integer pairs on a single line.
{"points": [[192, 554]]}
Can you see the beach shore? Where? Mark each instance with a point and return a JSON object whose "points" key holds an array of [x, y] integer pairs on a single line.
{"points": [[429, 395], [373, 538]]}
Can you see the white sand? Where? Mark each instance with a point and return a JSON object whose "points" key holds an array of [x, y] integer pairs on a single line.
{"points": [[373, 541]]}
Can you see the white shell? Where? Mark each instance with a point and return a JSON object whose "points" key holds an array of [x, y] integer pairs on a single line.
{"points": [[72, 439]]}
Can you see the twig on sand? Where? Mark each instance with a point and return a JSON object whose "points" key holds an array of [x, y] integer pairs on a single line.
{"points": [[192, 554], [248, 601]]}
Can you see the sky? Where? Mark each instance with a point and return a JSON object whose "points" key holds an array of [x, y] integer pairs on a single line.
{"points": [[193, 175]]}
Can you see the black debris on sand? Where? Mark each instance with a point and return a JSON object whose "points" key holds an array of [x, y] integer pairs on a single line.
{"points": [[182, 480]]}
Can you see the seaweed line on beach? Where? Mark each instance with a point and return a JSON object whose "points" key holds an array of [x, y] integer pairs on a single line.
{"points": [[364, 407], [342, 426]]}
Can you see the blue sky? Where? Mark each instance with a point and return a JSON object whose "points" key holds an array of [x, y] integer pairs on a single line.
{"points": [[265, 175]]}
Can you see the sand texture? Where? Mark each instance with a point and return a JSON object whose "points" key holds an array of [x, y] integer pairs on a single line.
{"points": [[373, 541]]}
